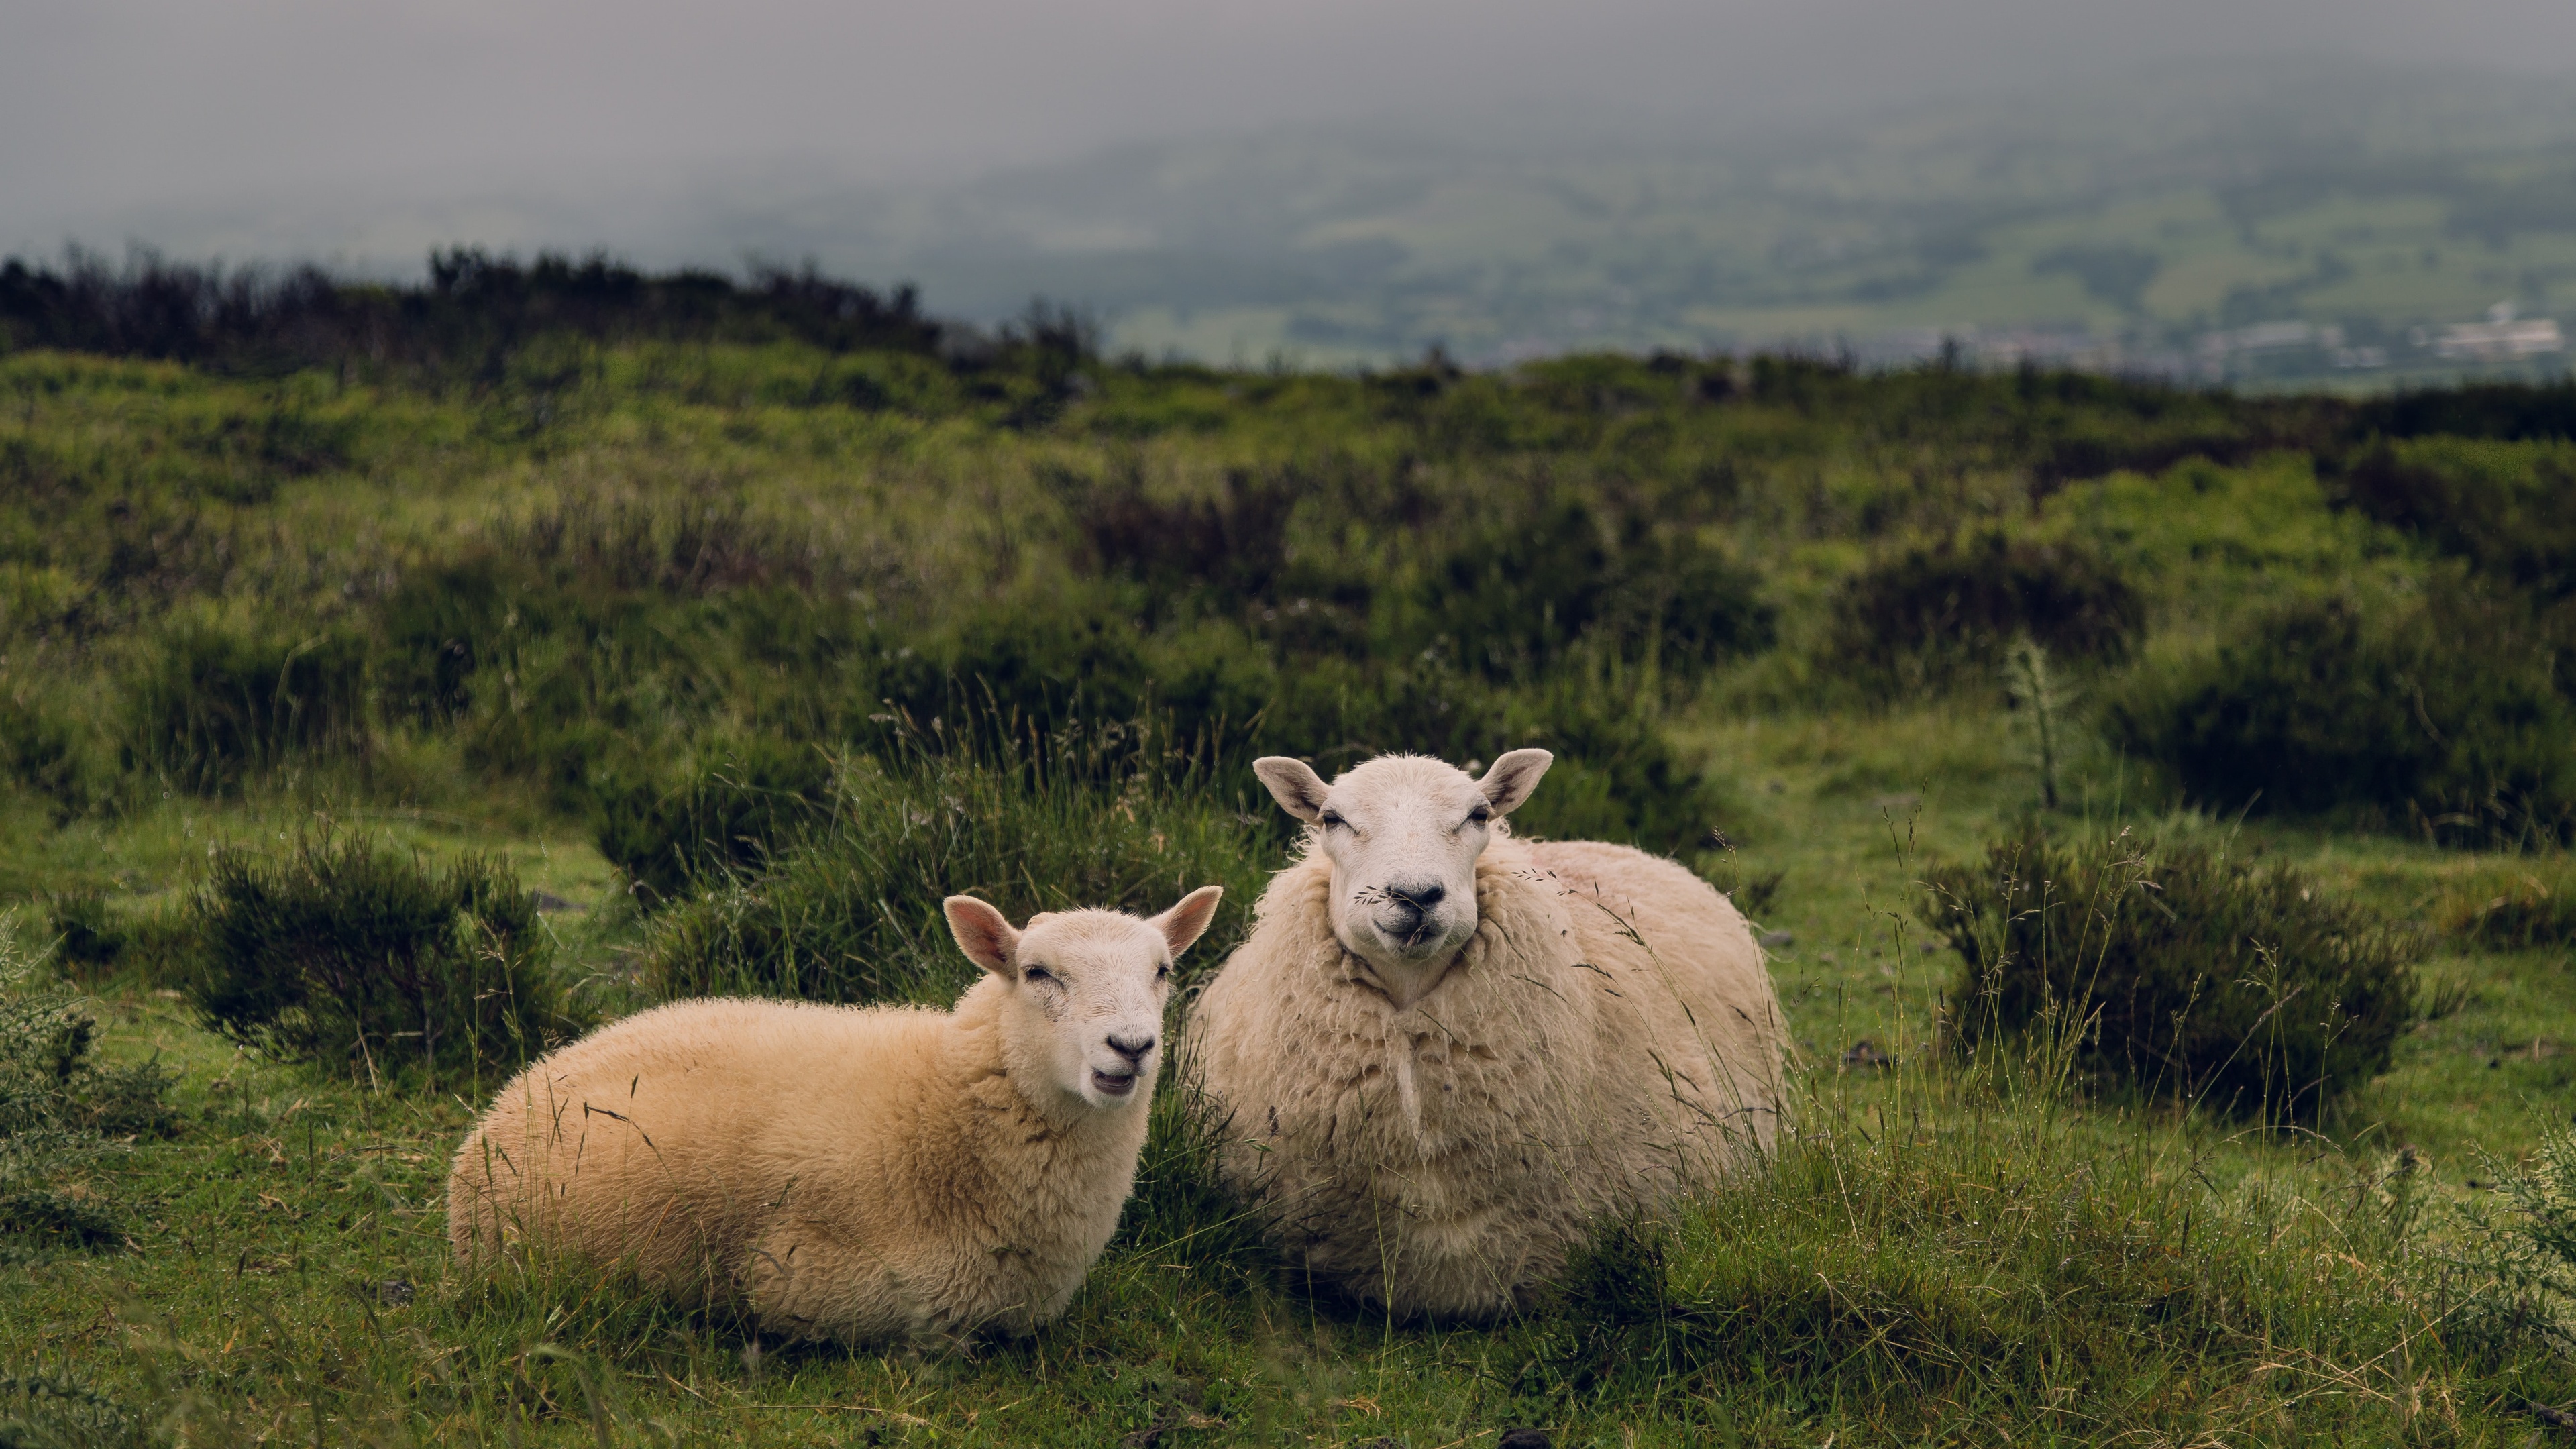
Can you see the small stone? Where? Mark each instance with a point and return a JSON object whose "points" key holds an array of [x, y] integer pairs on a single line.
{"points": [[395, 1292], [1524, 1439], [547, 902], [1865, 1053], [1778, 940]]}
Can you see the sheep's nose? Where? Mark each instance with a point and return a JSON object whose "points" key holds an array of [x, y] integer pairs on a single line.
{"points": [[1134, 1051], [1419, 897]]}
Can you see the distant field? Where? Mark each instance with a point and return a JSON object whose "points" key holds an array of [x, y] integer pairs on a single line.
{"points": [[664, 625]]}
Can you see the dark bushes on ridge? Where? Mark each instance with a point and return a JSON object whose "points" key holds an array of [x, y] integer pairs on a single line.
{"points": [[1929, 617], [374, 964], [2441, 713], [2172, 969]]}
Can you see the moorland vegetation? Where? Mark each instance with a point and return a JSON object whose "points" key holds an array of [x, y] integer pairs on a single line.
{"points": [[2155, 801]]}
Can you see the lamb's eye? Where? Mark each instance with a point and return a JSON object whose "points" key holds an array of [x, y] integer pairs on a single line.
{"points": [[1479, 815], [1163, 971], [1037, 974], [1331, 821]]}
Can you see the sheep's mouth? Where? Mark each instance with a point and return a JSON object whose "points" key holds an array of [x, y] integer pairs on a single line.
{"points": [[1420, 937], [1112, 1086]]}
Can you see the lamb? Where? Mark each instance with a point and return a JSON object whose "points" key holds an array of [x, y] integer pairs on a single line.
{"points": [[859, 1174], [1444, 1053]]}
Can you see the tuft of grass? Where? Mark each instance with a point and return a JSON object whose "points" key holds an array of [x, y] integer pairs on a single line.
{"points": [[2518, 911], [212, 707], [371, 964], [2172, 969]]}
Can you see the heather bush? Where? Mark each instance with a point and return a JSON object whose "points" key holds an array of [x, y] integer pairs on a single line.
{"points": [[2172, 969], [375, 964], [2441, 714], [1931, 617]]}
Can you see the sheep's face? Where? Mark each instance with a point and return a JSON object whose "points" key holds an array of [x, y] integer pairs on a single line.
{"points": [[1403, 833], [1087, 990]]}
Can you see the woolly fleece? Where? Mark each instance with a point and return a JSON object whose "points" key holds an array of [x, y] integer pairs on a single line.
{"points": [[856, 1174], [1442, 1160]]}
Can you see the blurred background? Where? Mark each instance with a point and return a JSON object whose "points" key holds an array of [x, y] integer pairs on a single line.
{"points": [[2354, 190]]}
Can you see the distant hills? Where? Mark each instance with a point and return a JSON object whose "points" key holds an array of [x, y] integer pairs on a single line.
{"points": [[2174, 220]]}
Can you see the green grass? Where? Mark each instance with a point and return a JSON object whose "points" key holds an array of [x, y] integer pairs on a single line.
{"points": [[564, 618]]}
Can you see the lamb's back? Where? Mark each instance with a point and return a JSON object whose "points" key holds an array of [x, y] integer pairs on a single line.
{"points": [[667, 1137]]}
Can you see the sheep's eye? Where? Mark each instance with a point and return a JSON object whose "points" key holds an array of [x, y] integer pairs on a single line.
{"points": [[1036, 974], [1162, 971], [1331, 821], [1479, 815]]}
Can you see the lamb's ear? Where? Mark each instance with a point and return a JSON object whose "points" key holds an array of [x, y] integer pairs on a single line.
{"points": [[1294, 784], [983, 933], [1513, 777], [1186, 922]]}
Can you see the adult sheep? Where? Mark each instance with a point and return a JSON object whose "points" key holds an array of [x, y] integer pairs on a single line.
{"points": [[1445, 1053], [850, 1173]]}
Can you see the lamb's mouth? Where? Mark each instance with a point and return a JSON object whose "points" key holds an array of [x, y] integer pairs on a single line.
{"points": [[1111, 1086]]}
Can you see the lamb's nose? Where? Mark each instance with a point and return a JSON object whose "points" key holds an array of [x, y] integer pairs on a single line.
{"points": [[1419, 897], [1134, 1051]]}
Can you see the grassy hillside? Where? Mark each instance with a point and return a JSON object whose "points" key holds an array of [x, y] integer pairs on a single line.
{"points": [[739, 650]]}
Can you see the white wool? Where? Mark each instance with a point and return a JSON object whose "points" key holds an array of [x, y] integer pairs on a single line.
{"points": [[1606, 1038], [849, 1173]]}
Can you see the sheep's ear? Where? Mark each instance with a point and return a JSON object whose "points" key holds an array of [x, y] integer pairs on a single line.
{"points": [[1186, 922], [1294, 784], [983, 933], [1513, 777]]}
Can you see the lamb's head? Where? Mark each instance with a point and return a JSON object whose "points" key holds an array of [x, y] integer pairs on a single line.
{"points": [[1403, 833], [1084, 1013]]}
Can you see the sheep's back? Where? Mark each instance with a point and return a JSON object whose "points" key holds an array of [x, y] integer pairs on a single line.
{"points": [[1694, 994], [666, 1139]]}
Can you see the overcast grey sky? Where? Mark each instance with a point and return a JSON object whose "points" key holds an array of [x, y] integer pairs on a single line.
{"points": [[113, 109]]}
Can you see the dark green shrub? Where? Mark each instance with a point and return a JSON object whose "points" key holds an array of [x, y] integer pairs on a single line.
{"points": [[1931, 617], [43, 754], [87, 935], [2507, 508], [1513, 601], [1104, 815], [374, 965], [1232, 548], [2441, 713], [439, 626], [736, 805], [2173, 970], [213, 706]]}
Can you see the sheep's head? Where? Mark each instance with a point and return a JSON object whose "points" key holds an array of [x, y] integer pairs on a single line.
{"points": [[1087, 988], [1403, 833]]}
